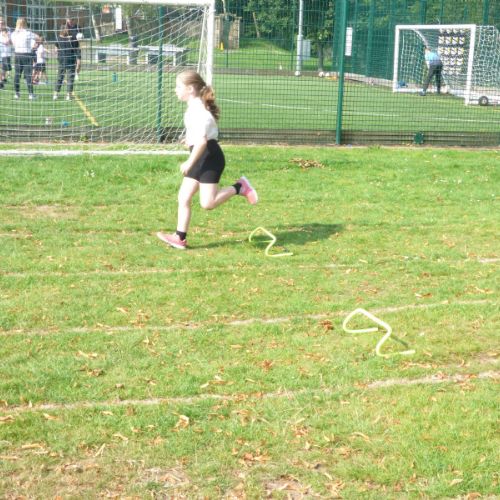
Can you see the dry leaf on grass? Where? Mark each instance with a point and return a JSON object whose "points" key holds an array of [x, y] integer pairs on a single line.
{"points": [[305, 164], [182, 423], [50, 417]]}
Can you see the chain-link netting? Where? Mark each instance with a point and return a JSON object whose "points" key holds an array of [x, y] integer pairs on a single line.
{"points": [[303, 71]]}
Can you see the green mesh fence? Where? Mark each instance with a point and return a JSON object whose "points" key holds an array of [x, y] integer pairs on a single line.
{"points": [[294, 71], [264, 99]]}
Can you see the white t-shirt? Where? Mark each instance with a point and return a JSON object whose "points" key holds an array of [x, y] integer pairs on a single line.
{"points": [[40, 54], [199, 122], [23, 41], [5, 47]]}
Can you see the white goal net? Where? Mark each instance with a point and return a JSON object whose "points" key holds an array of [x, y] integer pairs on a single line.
{"points": [[470, 55], [117, 86]]}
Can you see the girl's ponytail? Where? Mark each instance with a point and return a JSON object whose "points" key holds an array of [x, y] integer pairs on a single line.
{"points": [[204, 91], [207, 96]]}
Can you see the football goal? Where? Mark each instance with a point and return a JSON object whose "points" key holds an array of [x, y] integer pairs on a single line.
{"points": [[121, 87], [470, 55]]}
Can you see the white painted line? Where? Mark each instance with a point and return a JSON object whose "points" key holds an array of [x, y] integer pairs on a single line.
{"points": [[433, 379], [146, 271], [139, 272], [93, 152], [326, 110], [242, 322], [282, 393]]}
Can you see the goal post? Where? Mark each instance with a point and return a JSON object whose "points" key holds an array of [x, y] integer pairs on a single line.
{"points": [[470, 55], [131, 53], [455, 44]]}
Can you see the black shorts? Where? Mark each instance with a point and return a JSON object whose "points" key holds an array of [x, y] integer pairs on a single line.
{"points": [[40, 67], [208, 169]]}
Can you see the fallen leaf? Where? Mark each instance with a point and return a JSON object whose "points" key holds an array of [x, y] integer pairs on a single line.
{"points": [[182, 423], [361, 435], [50, 417], [31, 446], [120, 436]]}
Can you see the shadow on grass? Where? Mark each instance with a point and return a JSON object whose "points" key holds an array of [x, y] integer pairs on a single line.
{"points": [[301, 235], [291, 235]]}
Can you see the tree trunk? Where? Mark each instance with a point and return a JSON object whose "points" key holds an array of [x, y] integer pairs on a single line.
{"points": [[257, 32], [321, 56]]}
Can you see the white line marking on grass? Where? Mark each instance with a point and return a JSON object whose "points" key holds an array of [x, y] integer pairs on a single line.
{"points": [[139, 272], [282, 393], [433, 379], [146, 271], [93, 152], [266, 105], [242, 322], [347, 112]]}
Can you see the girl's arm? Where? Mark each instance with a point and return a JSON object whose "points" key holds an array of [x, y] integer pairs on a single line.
{"points": [[196, 152]]}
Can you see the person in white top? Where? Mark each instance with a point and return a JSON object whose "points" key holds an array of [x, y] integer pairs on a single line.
{"points": [[203, 169], [23, 41], [5, 51], [40, 68]]}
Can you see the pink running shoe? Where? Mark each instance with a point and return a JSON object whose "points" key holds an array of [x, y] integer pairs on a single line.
{"points": [[173, 240], [248, 191]]}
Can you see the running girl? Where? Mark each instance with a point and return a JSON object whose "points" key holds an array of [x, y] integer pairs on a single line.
{"points": [[203, 169]]}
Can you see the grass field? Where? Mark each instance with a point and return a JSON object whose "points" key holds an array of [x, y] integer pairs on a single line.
{"points": [[133, 370]]}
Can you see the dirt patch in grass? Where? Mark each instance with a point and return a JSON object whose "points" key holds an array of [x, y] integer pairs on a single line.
{"points": [[44, 211], [290, 488], [21, 235], [173, 480]]}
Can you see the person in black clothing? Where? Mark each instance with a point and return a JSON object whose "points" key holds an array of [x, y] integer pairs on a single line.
{"points": [[66, 57], [75, 34]]}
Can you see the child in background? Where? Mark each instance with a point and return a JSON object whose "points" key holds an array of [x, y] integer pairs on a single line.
{"points": [[40, 68], [5, 52], [203, 169]]}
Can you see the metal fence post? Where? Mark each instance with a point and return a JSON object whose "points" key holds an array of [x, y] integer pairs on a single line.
{"points": [[369, 42], [160, 75], [486, 12], [423, 11], [341, 59]]}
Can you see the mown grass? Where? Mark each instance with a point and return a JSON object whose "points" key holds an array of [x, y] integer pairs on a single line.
{"points": [[129, 369]]}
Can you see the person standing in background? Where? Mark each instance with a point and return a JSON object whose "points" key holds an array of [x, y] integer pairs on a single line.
{"points": [[23, 41], [434, 68], [40, 68], [5, 53], [66, 57], [76, 35]]}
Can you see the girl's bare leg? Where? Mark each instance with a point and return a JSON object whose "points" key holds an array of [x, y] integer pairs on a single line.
{"points": [[188, 189], [211, 196]]}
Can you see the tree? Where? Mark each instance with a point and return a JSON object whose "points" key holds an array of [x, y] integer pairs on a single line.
{"points": [[271, 18], [319, 26]]}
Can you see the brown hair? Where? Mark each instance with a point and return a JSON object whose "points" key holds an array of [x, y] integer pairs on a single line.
{"points": [[204, 91]]}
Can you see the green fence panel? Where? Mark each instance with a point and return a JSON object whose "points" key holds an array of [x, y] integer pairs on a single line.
{"points": [[276, 73]]}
